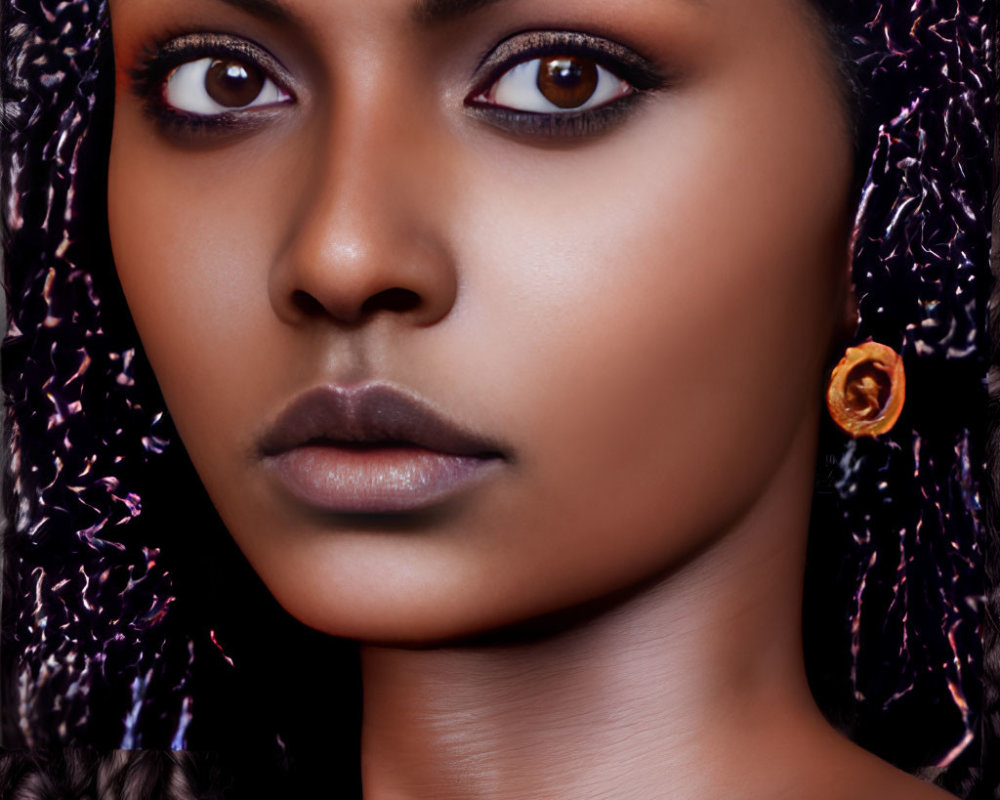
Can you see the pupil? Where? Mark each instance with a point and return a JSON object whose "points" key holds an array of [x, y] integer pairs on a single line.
{"points": [[565, 72], [233, 84], [567, 81]]}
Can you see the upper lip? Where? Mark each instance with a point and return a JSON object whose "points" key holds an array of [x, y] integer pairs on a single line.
{"points": [[369, 414]]}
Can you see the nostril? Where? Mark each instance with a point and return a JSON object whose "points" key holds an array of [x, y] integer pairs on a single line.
{"points": [[395, 300], [398, 300], [307, 304]]}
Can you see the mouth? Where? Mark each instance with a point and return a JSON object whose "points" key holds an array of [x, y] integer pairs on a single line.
{"points": [[372, 449]]}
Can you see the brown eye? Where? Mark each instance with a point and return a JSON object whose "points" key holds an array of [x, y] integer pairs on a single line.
{"points": [[567, 81], [213, 86], [233, 84], [556, 85]]}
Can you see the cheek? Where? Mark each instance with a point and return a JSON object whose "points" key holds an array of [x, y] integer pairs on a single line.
{"points": [[644, 319], [180, 245], [660, 325], [191, 234], [679, 242]]}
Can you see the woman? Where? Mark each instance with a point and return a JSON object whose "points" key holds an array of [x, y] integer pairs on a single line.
{"points": [[432, 292]]}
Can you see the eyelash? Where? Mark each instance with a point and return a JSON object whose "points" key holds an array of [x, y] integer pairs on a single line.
{"points": [[623, 63], [158, 63]]}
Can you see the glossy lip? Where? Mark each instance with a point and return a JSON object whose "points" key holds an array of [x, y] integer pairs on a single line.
{"points": [[372, 448]]}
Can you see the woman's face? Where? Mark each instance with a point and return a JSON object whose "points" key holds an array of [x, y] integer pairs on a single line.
{"points": [[468, 311]]}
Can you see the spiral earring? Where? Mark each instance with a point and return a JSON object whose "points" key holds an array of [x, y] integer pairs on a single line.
{"points": [[867, 390]]}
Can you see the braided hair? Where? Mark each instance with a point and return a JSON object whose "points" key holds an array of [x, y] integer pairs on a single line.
{"points": [[126, 606], [901, 515]]}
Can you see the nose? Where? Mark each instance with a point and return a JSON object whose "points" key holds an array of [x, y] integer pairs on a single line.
{"points": [[363, 237]]}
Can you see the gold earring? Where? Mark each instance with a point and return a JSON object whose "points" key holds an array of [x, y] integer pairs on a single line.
{"points": [[867, 390]]}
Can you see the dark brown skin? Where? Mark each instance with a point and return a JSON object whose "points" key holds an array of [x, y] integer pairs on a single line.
{"points": [[640, 317]]}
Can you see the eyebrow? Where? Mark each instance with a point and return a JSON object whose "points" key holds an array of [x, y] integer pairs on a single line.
{"points": [[436, 12], [268, 9], [425, 12]]}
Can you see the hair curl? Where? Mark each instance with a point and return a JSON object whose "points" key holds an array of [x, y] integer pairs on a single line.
{"points": [[118, 775], [114, 636]]}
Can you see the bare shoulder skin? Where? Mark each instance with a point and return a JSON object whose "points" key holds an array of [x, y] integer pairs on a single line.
{"points": [[496, 333], [837, 769]]}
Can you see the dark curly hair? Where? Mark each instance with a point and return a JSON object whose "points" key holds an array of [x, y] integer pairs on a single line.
{"points": [[128, 613]]}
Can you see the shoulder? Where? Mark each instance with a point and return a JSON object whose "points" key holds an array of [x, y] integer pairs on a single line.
{"points": [[859, 775], [882, 781], [819, 763]]}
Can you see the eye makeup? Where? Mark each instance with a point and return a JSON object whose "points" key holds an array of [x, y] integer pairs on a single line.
{"points": [[523, 46], [608, 78], [159, 62], [551, 48]]}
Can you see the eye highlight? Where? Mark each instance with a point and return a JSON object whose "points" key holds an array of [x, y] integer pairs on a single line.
{"points": [[209, 81], [211, 86], [560, 83]]}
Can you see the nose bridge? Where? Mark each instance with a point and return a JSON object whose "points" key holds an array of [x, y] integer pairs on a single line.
{"points": [[362, 238], [357, 175]]}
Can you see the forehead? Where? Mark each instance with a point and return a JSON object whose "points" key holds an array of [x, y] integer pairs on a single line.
{"points": [[760, 22], [707, 36], [422, 12], [675, 31]]}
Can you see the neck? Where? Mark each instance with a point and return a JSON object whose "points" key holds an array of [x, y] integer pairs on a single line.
{"points": [[690, 685]]}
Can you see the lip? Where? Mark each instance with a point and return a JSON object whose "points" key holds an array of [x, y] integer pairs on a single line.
{"points": [[372, 448]]}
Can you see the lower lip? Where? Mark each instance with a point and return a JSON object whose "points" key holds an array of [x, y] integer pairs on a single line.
{"points": [[388, 480]]}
